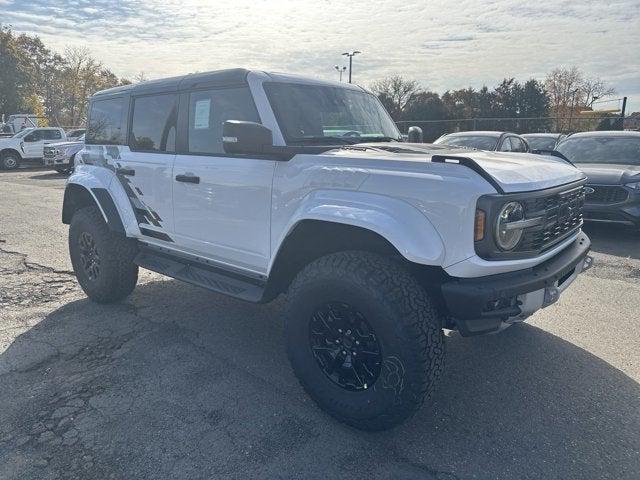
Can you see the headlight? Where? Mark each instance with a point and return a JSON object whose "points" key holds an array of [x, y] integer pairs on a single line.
{"points": [[635, 185], [509, 225]]}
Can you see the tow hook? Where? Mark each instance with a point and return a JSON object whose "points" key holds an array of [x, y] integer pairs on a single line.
{"points": [[551, 294]]}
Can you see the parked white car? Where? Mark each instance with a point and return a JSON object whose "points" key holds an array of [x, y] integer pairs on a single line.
{"points": [[27, 145], [255, 184]]}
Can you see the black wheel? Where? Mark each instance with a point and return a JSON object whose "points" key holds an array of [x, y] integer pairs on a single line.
{"points": [[101, 259], [10, 161], [363, 338]]}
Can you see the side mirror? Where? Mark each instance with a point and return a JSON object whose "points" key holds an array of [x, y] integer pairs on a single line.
{"points": [[246, 137], [415, 135]]}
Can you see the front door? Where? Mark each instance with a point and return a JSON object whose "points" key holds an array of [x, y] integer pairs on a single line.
{"points": [[34, 144], [222, 203]]}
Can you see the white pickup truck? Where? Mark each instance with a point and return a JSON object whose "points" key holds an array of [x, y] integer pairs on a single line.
{"points": [[256, 185], [27, 145]]}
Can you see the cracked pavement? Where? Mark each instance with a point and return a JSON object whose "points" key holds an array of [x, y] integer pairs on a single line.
{"points": [[177, 382]]}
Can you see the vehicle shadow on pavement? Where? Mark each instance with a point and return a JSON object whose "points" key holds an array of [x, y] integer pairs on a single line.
{"points": [[618, 240], [181, 383], [49, 176]]}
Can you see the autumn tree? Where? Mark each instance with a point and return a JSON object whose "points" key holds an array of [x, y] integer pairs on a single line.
{"points": [[395, 92], [571, 91]]}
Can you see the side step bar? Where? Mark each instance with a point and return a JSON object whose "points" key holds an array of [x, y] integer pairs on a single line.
{"points": [[205, 276]]}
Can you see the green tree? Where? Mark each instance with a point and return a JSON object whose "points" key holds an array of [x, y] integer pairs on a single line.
{"points": [[16, 74]]}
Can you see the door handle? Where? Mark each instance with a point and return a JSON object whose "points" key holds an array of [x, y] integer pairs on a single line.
{"points": [[187, 178], [129, 172]]}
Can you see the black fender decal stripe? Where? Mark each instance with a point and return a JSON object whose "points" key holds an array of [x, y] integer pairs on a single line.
{"points": [[114, 222]]}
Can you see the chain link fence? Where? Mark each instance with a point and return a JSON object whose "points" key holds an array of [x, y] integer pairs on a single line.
{"points": [[432, 129]]}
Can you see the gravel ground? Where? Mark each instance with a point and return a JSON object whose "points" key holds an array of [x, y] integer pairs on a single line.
{"points": [[177, 382]]}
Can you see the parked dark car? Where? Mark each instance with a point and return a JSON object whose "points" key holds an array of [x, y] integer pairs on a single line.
{"points": [[543, 141], [611, 161], [486, 140]]}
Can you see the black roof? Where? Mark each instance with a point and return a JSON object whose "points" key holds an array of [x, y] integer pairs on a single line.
{"points": [[217, 78]]}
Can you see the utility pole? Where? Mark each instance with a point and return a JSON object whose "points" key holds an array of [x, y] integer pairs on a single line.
{"points": [[340, 70], [351, 55], [624, 107]]}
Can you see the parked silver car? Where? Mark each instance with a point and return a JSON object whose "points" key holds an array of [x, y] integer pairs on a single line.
{"points": [[61, 155]]}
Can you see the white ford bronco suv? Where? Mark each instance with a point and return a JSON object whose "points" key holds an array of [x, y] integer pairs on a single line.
{"points": [[255, 184]]}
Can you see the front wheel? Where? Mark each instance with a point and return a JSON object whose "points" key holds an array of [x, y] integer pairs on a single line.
{"points": [[363, 338], [10, 161], [102, 260]]}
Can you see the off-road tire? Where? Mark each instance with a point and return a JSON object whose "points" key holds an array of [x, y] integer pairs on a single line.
{"points": [[118, 274], [404, 319], [9, 161]]}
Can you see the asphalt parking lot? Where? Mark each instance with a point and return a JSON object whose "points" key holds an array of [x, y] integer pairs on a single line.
{"points": [[177, 382]]}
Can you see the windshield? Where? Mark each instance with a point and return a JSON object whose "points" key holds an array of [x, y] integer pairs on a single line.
{"points": [[481, 142], [313, 113], [625, 150], [541, 143], [22, 133]]}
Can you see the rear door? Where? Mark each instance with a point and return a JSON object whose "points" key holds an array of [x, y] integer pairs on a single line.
{"points": [[144, 167], [222, 202]]}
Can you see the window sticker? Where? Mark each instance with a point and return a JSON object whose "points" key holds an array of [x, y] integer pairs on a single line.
{"points": [[201, 121]]}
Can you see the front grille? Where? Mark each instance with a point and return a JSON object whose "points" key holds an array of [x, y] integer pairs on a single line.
{"points": [[606, 194], [562, 215], [49, 153]]}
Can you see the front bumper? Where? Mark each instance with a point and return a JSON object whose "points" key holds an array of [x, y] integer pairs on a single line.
{"points": [[626, 212], [488, 304], [54, 161]]}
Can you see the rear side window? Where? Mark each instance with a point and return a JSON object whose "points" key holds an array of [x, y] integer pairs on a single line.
{"points": [[153, 128], [106, 122], [517, 145], [51, 135], [209, 109], [506, 145]]}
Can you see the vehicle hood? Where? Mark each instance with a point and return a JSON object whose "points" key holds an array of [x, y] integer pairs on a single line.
{"points": [[610, 173], [513, 172], [65, 144]]}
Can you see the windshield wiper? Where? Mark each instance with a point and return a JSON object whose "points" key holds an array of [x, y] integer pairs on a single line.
{"points": [[378, 139], [326, 140]]}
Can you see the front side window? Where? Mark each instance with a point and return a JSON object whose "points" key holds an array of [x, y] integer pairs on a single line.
{"points": [[106, 122], [322, 114], [153, 127], [614, 149], [209, 109], [34, 136]]}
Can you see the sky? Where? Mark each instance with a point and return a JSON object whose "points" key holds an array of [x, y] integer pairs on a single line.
{"points": [[441, 44]]}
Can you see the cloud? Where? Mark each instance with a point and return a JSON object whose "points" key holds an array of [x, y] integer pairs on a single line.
{"points": [[440, 44]]}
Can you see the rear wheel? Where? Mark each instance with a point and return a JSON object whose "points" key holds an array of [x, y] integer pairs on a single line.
{"points": [[10, 161], [363, 338], [101, 259]]}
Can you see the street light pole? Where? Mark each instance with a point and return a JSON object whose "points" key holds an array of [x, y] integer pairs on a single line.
{"points": [[351, 55], [340, 70]]}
